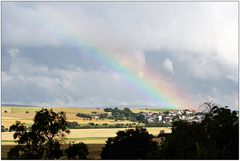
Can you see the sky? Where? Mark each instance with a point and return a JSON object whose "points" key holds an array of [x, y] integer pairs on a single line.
{"points": [[88, 54]]}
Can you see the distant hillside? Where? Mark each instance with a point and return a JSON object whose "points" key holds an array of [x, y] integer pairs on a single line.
{"points": [[139, 107], [17, 105]]}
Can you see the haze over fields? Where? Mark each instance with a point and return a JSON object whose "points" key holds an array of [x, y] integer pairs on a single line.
{"points": [[89, 54]]}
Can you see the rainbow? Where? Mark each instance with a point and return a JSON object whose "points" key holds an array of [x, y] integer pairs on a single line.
{"points": [[152, 84]]}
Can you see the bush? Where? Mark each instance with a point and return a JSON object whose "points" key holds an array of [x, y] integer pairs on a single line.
{"points": [[91, 124], [73, 125], [84, 115], [77, 151], [105, 124], [3, 129]]}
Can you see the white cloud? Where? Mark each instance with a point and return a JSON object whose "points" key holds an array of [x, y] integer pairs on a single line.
{"points": [[201, 31], [232, 78], [26, 83], [13, 52], [168, 65], [204, 68], [196, 27]]}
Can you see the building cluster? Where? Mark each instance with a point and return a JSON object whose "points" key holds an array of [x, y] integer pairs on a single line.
{"points": [[170, 116]]}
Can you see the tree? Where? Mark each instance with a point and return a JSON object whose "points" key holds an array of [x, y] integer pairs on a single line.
{"points": [[42, 140], [77, 151], [3, 129], [28, 147], [130, 144], [127, 112], [215, 137], [103, 116], [141, 118]]}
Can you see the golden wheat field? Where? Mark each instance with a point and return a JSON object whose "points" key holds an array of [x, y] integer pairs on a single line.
{"points": [[88, 136], [26, 115], [94, 138]]}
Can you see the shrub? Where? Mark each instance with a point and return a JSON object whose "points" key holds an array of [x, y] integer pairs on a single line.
{"points": [[77, 151]]}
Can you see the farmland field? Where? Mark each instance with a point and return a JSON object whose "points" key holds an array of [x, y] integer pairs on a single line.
{"points": [[94, 138], [88, 136], [26, 115], [12, 114]]}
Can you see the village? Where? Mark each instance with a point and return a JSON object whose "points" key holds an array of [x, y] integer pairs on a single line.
{"points": [[168, 117]]}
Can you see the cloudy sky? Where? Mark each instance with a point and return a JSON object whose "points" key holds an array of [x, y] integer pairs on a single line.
{"points": [[120, 53]]}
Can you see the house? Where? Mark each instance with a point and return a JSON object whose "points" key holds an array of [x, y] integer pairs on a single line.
{"points": [[160, 118]]}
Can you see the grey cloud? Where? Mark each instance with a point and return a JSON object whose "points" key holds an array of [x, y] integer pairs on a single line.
{"points": [[35, 84], [52, 39], [197, 87], [54, 57]]}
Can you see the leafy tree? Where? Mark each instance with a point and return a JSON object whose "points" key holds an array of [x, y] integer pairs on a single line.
{"points": [[73, 125], [28, 146], [215, 137], [141, 118], [127, 112], [130, 144], [42, 141], [3, 129], [91, 124], [107, 109], [77, 151], [103, 116], [84, 115]]}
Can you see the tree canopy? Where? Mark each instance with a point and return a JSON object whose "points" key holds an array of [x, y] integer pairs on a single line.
{"points": [[130, 144], [215, 137], [42, 140]]}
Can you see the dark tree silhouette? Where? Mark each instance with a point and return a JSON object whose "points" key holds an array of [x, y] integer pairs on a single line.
{"points": [[130, 144], [27, 147], [77, 151], [50, 127], [216, 137], [43, 139]]}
